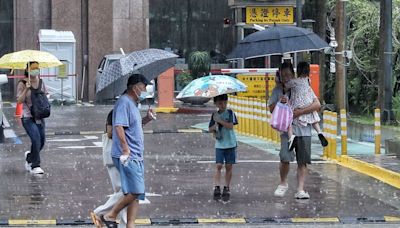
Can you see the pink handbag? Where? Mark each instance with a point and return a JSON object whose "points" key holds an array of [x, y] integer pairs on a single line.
{"points": [[281, 117]]}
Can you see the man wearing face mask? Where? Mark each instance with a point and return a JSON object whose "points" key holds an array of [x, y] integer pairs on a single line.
{"points": [[127, 149], [35, 128]]}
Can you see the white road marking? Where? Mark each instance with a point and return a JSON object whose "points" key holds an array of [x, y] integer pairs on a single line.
{"points": [[152, 194], [77, 147], [145, 201], [9, 133], [90, 137], [5, 122], [99, 144]]}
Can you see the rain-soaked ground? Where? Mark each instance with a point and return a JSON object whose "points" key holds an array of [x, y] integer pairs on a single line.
{"points": [[179, 176]]}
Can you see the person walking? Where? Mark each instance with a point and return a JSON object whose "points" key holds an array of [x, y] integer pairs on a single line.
{"points": [[127, 150], [221, 124], [34, 127], [114, 177], [303, 135]]}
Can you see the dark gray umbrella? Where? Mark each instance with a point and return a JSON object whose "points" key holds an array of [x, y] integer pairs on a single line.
{"points": [[277, 40], [149, 62]]}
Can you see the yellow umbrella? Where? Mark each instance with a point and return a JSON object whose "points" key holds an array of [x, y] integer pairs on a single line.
{"points": [[19, 59]]}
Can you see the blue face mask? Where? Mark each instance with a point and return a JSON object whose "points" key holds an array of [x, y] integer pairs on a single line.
{"points": [[35, 73], [143, 95]]}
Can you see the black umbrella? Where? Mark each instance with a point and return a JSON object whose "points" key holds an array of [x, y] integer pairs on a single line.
{"points": [[149, 62], [277, 40]]}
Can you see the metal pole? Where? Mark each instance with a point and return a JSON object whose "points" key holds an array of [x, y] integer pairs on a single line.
{"points": [[298, 56], [340, 69], [62, 91], [388, 64], [298, 13]]}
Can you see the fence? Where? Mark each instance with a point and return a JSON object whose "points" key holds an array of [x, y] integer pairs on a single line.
{"points": [[254, 117]]}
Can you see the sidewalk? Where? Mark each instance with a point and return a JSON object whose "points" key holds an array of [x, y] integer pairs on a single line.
{"points": [[383, 167], [180, 166]]}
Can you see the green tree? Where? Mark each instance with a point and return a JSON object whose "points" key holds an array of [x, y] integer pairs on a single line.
{"points": [[199, 63], [363, 39]]}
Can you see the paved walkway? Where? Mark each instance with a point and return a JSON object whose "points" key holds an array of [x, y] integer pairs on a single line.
{"points": [[179, 171]]}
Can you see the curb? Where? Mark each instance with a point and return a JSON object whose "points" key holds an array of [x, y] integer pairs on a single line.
{"points": [[387, 176], [233, 221], [195, 110]]}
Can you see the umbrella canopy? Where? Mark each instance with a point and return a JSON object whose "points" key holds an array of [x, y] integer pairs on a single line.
{"points": [[148, 62], [277, 40], [212, 86], [19, 59]]}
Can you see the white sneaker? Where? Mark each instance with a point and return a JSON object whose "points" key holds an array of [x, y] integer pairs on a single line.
{"points": [[37, 170], [281, 190], [302, 195], [27, 165]]}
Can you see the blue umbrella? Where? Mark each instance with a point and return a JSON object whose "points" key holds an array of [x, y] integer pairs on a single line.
{"points": [[212, 86], [277, 40]]}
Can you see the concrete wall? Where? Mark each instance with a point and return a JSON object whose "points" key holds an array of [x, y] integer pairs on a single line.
{"points": [[30, 16], [66, 16], [112, 24], [100, 37], [130, 25]]}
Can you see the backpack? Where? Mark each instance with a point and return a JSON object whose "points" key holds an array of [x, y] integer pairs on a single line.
{"points": [[40, 104]]}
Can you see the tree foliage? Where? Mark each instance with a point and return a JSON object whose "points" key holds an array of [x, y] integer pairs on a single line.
{"points": [[199, 63], [363, 20]]}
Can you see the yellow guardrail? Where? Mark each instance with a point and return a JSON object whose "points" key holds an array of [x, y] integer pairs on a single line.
{"points": [[377, 131], [253, 118], [343, 130]]}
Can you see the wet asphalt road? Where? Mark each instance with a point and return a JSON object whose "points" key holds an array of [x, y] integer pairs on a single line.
{"points": [[179, 171]]}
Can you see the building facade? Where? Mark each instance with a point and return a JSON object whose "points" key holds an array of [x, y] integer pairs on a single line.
{"points": [[100, 27]]}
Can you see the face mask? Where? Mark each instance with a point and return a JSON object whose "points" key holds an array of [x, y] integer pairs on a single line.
{"points": [[35, 72], [142, 95]]}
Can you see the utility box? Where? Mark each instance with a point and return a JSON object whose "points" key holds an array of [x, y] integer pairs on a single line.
{"points": [[62, 45]]}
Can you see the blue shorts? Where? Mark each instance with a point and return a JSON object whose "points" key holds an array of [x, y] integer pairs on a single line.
{"points": [[132, 177], [225, 156]]}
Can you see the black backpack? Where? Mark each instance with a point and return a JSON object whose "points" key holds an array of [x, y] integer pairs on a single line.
{"points": [[40, 104]]}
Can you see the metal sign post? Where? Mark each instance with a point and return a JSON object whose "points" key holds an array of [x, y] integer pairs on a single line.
{"points": [[62, 74]]}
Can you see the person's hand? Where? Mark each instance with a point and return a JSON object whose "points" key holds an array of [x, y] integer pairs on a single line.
{"points": [[28, 85], [123, 159], [217, 117], [151, 115], [284, 99], [297, 112], [213, 127]]}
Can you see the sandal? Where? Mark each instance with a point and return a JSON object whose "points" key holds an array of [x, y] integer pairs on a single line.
{"points": [[96, 220], [109, 224]]}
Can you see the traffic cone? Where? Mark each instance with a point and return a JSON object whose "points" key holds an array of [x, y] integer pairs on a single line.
{"points": [[18, 110]]}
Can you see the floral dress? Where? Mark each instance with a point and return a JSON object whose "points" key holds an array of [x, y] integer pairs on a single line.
{"points": [[302, 96]]}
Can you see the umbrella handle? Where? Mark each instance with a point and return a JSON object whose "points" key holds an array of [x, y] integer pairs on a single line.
{"points": [[29, 73]]}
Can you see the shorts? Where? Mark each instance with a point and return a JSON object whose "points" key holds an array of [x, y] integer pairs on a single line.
{"points": [[225, 156], [303, 150], [132, 177], [284, 154]]}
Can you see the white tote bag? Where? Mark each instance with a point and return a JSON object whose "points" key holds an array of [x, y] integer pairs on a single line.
{"points": [[107, 143]]}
